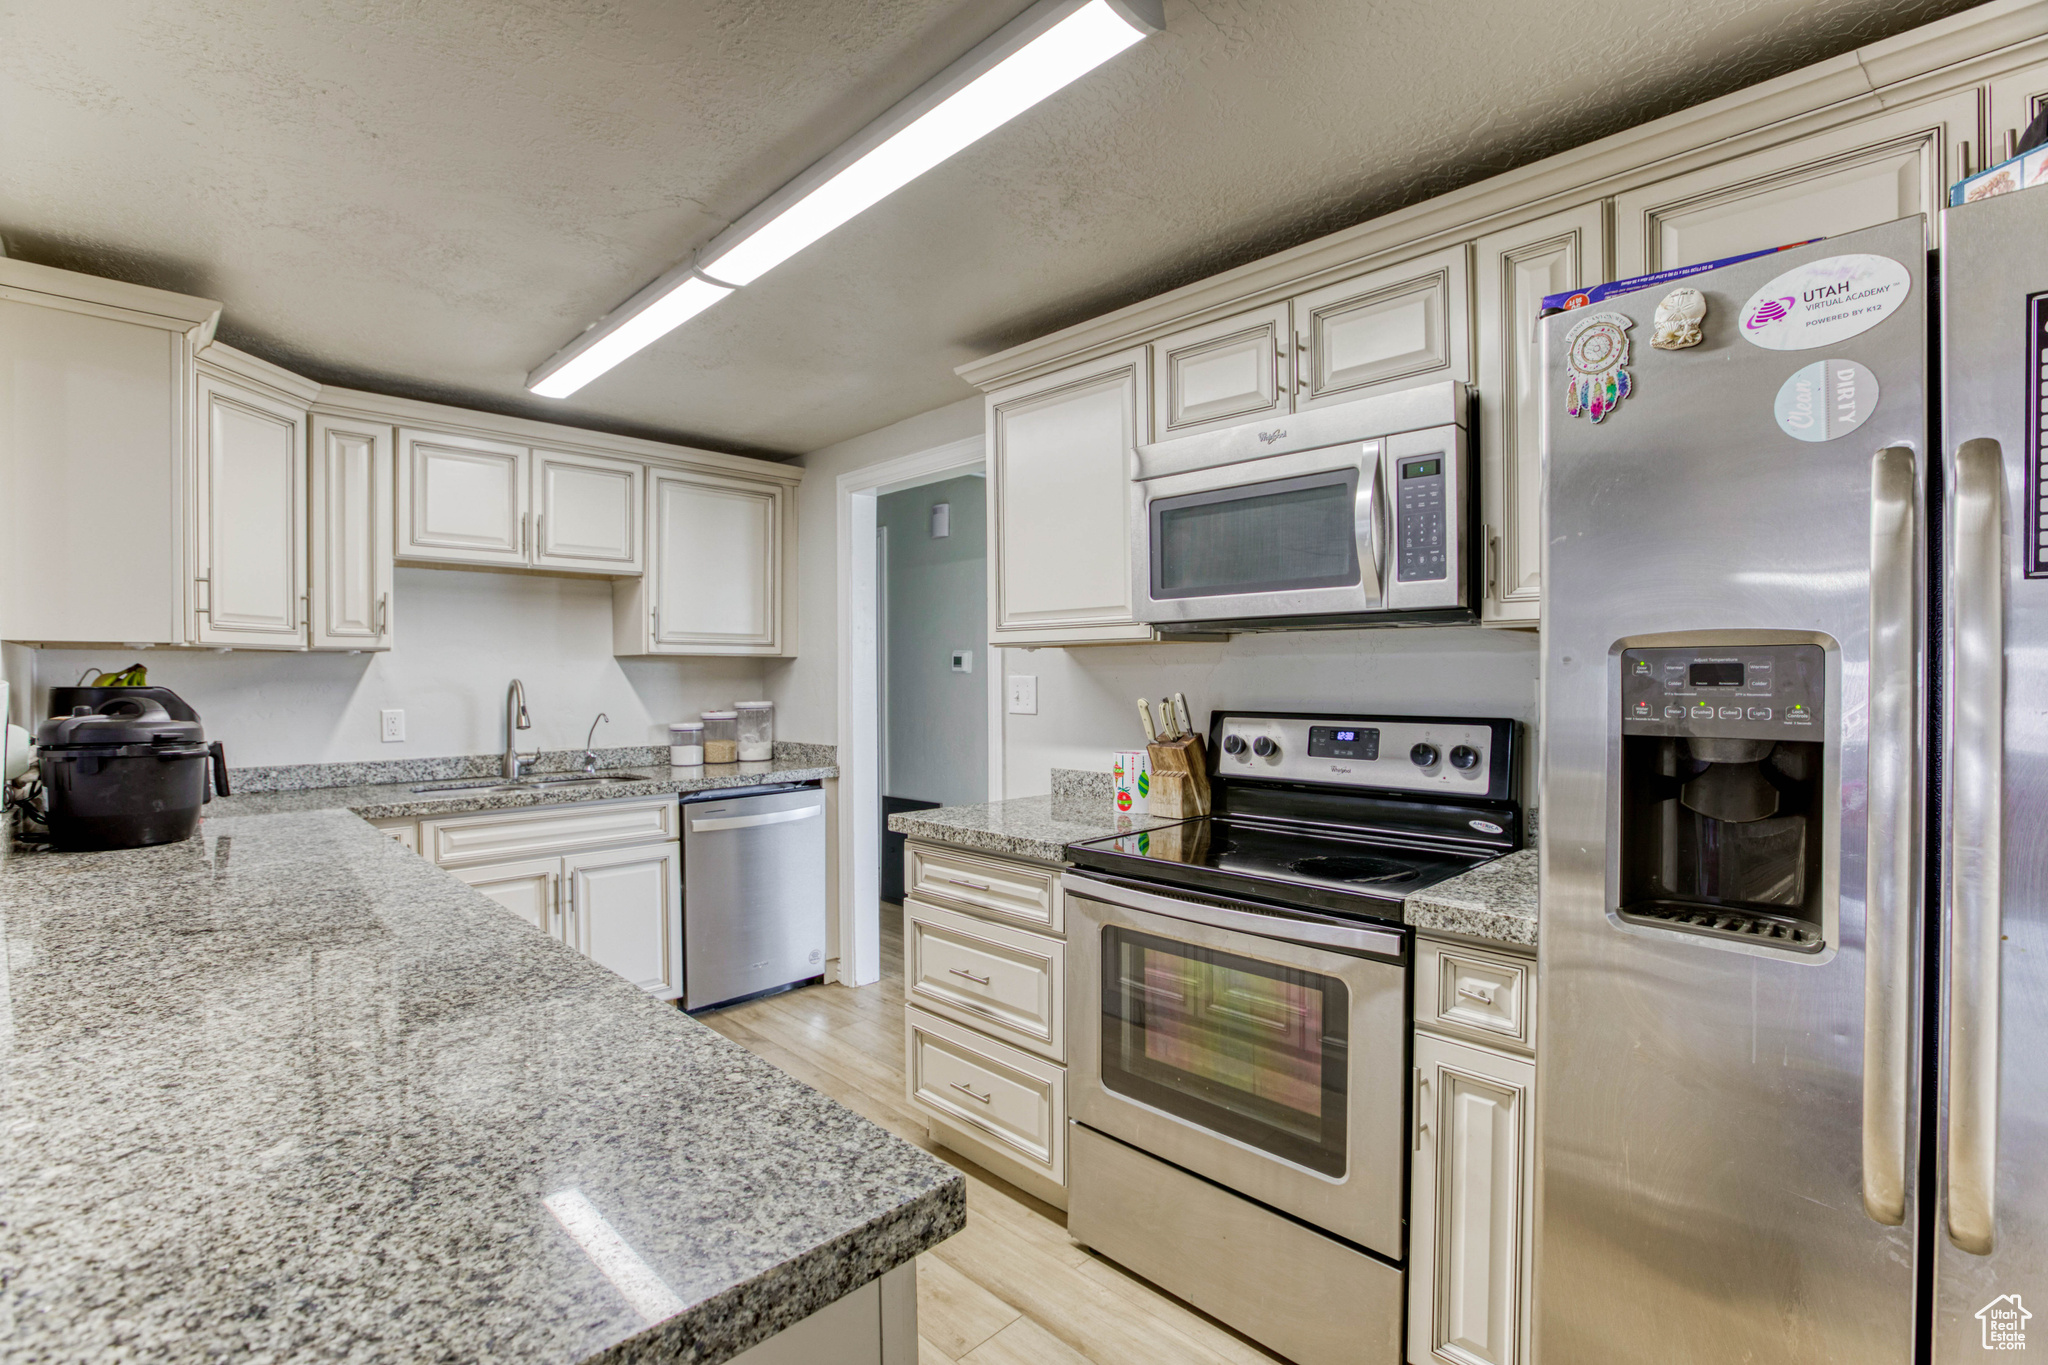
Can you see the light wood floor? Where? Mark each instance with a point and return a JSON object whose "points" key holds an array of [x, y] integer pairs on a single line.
{"points": [[1011, 1288]]}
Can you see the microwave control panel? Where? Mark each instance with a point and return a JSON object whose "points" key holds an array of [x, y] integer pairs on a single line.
{"points": [[1423, 551], [1724, 691]]}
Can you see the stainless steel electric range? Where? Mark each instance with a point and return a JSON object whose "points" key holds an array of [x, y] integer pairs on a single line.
{"points": [[1238, 1018]]}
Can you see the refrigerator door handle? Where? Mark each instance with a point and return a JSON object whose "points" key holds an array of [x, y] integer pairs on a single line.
{"points": [[1976, 813], [1891, 864]]}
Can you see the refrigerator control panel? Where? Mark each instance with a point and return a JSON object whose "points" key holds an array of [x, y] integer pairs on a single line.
{"points": [[1724, 692]]}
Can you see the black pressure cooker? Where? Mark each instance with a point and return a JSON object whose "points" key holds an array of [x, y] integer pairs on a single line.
{"points": [[126, 773]]}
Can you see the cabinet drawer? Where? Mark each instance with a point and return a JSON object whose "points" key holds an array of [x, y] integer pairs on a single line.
{"points": [[1008, 981], [1469, 991], [462, 839], [1011, 1099], [1024, 892]]}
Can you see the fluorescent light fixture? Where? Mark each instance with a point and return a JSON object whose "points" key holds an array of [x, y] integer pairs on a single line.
{"points": [[1041, 51], [646, 1291]]}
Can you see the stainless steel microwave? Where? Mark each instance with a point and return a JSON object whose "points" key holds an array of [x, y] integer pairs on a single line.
{"points": [[1358, 514]]}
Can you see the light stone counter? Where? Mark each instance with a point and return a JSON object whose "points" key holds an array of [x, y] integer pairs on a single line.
{"points": [[284, 1091], [1495, 900]]}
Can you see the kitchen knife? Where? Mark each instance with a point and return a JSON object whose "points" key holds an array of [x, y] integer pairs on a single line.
{"points": [[1145, 714], [1181, 716], [1166, 724]]}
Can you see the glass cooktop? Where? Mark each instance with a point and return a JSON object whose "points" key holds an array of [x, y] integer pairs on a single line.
{"points": [[1280, 861]]}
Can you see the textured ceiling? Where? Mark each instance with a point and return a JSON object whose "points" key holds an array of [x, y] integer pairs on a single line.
{"points": [[428, 197]]}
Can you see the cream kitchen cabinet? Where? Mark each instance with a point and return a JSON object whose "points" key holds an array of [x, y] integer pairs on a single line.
{"points": [[715, 576], [97, 385], [1877, 169], [463, 499], [1516, 268], [249, 490], [587, 513], [1059, 482], [1236, 369], [1472, 1173], [351, 525], [1393, 328], [2011, 104]]}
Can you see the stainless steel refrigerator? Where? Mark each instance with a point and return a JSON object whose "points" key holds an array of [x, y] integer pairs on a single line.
{"points": [[1793, 1072]]}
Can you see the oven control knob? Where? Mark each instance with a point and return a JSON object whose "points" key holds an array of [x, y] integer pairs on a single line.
{"points": [[1233, 744], [1423, 755], [1264, 748], [1464, 758]]}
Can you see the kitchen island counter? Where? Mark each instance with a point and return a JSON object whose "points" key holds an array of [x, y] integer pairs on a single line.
{"points": [[286, 1091]]}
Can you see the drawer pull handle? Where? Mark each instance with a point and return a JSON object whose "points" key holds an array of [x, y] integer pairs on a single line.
{"points": [[962, 881], [961, 971], [1483, 994], [969, 1092]]}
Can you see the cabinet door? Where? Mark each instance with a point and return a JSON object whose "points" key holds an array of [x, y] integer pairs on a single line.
{"points": [[586, 513], [624, 913], [531, 889], [1872, 171], [2014, 100], [1232, 370], [1393, 329], [461, 499], [252, 508], [1059, 461], [351, 535], [1469, 1205], [717, 566], [1517, 267]]}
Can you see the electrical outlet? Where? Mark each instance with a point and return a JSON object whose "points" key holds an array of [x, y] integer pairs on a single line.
{"points": [[1023, 694], [394, 726], [963, 661]]}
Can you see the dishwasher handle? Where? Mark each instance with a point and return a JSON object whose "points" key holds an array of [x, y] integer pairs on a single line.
{"points": [[773, 817]]}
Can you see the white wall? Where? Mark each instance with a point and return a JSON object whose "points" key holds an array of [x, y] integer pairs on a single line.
{"points": [[1088, 698], [805, 688], [462, 636], [938, 603]]}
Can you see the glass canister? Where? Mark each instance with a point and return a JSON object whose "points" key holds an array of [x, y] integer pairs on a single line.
{"points": [[721, 737], [686, 744], [757, 730]]}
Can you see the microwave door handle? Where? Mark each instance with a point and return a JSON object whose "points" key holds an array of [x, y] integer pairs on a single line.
{"points": [[1975, 853], [1891, 867], [1368, 518]]}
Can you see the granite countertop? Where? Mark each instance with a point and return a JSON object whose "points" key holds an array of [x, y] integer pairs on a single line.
{"points": [[391, 800], [285, 1090], [1035, 827], [1495, 900]]}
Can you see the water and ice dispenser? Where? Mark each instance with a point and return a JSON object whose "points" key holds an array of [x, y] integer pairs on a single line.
{"points": [[1723, 813]]}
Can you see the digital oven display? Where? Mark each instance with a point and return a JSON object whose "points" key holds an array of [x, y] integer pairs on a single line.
{"points": [[1330, 741], [1717, 673]]}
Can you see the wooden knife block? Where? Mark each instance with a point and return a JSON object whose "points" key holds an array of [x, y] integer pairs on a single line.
{"points": [[1180, 778]]}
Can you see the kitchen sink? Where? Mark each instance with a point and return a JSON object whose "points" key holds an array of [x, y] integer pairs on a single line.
{"points": [[524, 784]]}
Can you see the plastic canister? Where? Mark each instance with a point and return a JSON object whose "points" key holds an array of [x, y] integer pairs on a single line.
{"points": [[721, 737], [686, 744], [756, 730]]}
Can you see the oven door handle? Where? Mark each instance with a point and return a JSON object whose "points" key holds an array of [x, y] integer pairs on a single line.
{"points": [[1318, 933]]}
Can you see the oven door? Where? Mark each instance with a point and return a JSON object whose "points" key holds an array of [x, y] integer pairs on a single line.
{"points": [[1212, 1037]]}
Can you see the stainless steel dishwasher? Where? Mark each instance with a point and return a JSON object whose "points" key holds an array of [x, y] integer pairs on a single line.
{"points": [[753, 892]]}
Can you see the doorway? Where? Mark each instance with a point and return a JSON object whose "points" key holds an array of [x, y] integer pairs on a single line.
{"points": [[919, 713]]}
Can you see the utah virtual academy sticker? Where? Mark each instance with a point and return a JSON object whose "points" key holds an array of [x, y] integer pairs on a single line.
{"points": [[1826, 399], [1824, 301]]}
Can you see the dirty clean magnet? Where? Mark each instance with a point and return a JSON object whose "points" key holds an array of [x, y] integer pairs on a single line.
{"points": [[1826, 399]]}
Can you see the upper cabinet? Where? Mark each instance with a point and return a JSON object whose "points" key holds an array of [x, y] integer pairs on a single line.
{"points": [[1059, 477], [1237, 369], [351, 519], [1877, 169], [587, 513], [2014, 99], [463, 499], [717, 552], [1516, 268], [1394, 328], [250, 485]]}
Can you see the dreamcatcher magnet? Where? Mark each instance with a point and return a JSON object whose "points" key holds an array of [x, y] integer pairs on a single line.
{"points": [[1596, 356]]}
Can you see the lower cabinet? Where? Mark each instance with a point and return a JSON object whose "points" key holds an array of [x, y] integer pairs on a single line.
{"points": [[985, 1045], [603, 877], [1470, 1205]]}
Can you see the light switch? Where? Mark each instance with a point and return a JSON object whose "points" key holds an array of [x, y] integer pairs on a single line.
{"points": [[1023, 694], [393, 726], [963, 661]]}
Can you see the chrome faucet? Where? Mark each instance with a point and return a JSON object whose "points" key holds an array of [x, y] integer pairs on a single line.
{"points": [[590, 754], [515, 721]]}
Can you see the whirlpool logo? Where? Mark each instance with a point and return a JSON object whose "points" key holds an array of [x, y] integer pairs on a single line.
{"points": [[1268, 437]]}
